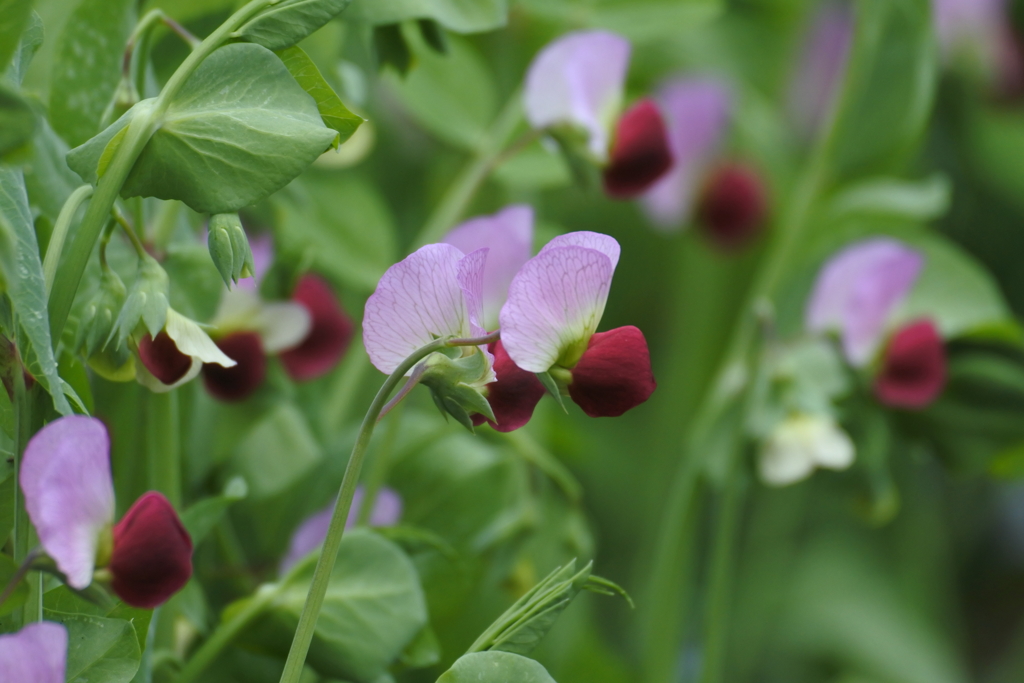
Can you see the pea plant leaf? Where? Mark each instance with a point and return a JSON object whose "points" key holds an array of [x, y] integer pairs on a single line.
{"points": [[14, 15], [495, 667], [88, 66], [99, 649], [240, 129], [17, 121], [461, 16], [26, 287], [286, 23], [334, 113]]}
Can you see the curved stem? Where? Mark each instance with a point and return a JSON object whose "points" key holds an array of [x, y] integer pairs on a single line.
{"points": [[119, 218], [60, 233]]}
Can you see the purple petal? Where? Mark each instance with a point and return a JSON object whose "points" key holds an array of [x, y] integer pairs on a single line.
{"points": [[69, 493], [554, 305], [578, 79], [36, 654], [968, 24], [471, 280], [697, 112], [509, 236], [387, 509], [597, 241], [819, 73], [418, 300], [858, 290]]}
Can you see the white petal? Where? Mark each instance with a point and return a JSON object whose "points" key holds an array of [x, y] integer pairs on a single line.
{"points": [[282, 325], [191, 340]]}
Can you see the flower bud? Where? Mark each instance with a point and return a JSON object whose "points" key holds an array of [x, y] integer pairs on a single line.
{"points": [[96, 327], [241, 381], [329, 335], [732, 208], [152, 555], [513, 396], [147, 302], [614, 373], [640, 154], [457, 384], [913, 370], [229, 248]]}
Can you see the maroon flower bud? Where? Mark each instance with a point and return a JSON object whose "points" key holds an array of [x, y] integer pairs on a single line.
{"points": [[513, 396], [239, 382], [614, 373], [731, 210], [640, 154], [163, 359], [152, 556], [329, 335], [913, 370]]}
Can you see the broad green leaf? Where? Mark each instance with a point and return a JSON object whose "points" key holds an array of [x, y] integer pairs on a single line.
{"points": [[21, 57], [423, 651], [195, 283], [286, 23], [26, 288], [652, 20], [8, 568], [451, 95], [48, 179], [258, 458], [240, 129], [461, 16], [200, 518], [373, 610], [100, 650], [890, 85], [922, 200], [495, 667], [63, 600], [996, 139], [14, 16], [88, 66], [344, 226], [332, 110], [17, 121]]}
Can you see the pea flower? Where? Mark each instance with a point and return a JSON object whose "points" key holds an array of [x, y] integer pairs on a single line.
{"points": [[857, 292], [330, 331], [821, 66], [37, 653], [176, 354], [549, 326], [913, 367], [574, 88], [387, 510], [979, 35], [799, 444], [508, 236], [69, 494]]}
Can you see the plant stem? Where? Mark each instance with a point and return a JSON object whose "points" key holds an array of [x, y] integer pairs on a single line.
{"points": [[462, 191], [329, 552], [60, 233], [133, 237], [23, 406], [163, 444]]}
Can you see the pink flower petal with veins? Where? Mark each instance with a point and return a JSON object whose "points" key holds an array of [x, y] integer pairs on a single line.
{"points": [[37, 653], [597, 241], [858, 290], [417, 300], [69, 493], [508, 235], [471, 281], [578, 79], [555, 302]]}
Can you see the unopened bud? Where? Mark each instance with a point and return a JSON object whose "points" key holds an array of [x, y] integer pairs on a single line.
{"points": [[640, 154], [96, 326], [152, 553], [147, 301], [732, 208], [229, 248]]}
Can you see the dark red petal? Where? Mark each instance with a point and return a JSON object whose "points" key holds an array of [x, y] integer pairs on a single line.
{"points": [[152, 556], [731, 210], [238, 382], [640, 154], [328, 337], [163, 359], [514, 396], [913, 368], [614, 373]]}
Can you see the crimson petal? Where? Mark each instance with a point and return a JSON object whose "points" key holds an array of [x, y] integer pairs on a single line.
{"points": [[513, 396], [914, 367], [732, 207], [640, 154], [163, 359], [614, 373], [239, 382], [329, 335]]}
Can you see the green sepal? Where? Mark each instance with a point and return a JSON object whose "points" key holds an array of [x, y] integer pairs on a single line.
{"points": [[553, 387], [229, 248], [572, 143], [97, 324], [456, 383], [222, 253], [147, 301]]}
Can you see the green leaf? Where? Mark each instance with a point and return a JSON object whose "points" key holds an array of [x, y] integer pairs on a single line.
{"points": [[26, 287], [461, 16], [14, 16], [64, 600], [100, 650], [240, 129], [7, 488], [890, 85], [373, 610], [423, 651], [87, 68], [17, 120], [649, 21], [200, 518], [31, 39], [47, 177], [258, 457], [391, 48], [333, 112], [286, 23], [450, 95], [922, 200], [8, 568], [495, 667]]}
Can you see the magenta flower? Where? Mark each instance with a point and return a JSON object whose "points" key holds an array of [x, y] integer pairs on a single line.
{"points": [[640, 154], [733, 206], [37, 653], [697, 112], [858, 290], [548, 325], [69, 495], [821, 68], [387, 510], [913, 368]]}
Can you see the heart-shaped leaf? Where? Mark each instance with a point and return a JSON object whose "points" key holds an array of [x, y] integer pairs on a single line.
{"points": [[495, 667]]}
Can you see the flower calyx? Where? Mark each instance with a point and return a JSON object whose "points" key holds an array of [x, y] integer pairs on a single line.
{"points": [[229, 248], [457, 384]]}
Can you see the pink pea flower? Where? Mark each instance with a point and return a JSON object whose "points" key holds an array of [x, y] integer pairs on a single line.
{"points": [[548, 325], [387, 510], [858, 290], [37, 653], [913, 368], [69, 495], [821, 68]]}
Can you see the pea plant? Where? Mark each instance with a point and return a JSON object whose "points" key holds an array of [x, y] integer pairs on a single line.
{"points": [[311, 311]]}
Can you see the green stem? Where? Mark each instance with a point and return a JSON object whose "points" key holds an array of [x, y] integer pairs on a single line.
{"points": [[329, 552], [163, 444], [60, 233], [461, 192], [140, 248], [23, 406]]}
